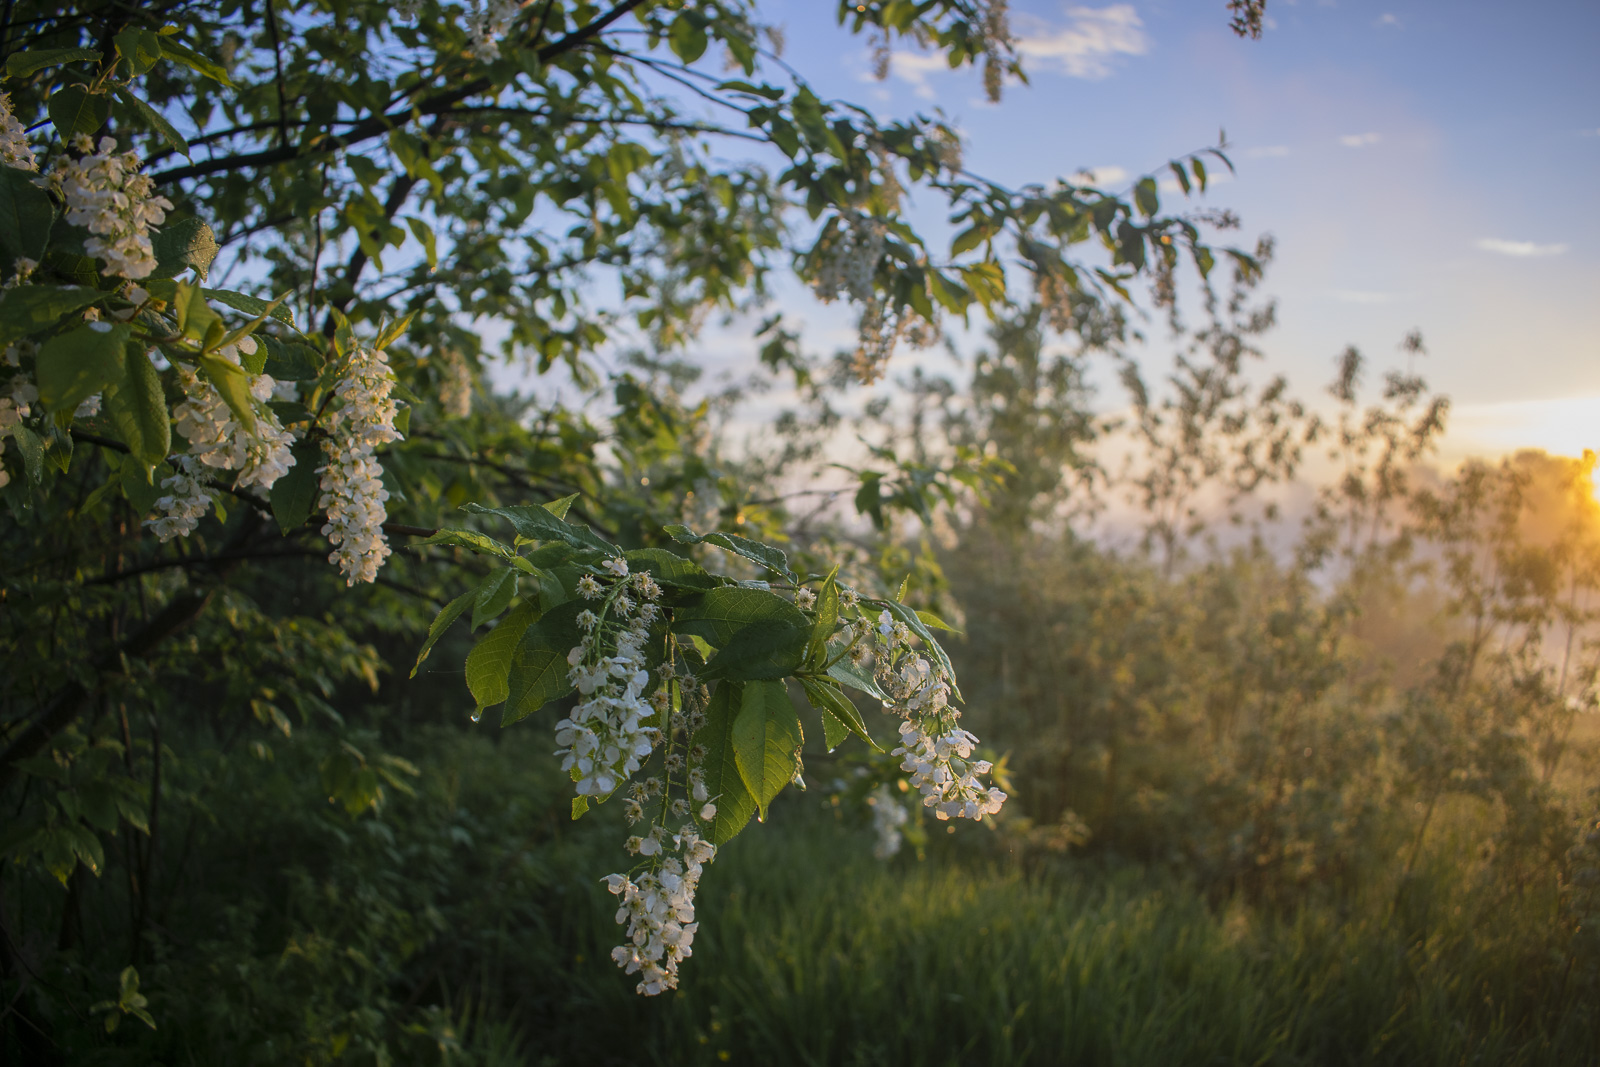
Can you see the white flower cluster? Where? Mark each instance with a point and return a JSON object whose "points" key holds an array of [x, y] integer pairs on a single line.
{"points": [[186, 502], [14, 149], [936, 752], [943, 769], [486, 23], [352, 478], [16, 404], [888, 815], [659, 911], [848, 259], [605, 740], [106, 194], [217, 439]]}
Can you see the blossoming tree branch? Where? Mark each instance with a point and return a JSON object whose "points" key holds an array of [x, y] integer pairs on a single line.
{"points": [[256, 256]]}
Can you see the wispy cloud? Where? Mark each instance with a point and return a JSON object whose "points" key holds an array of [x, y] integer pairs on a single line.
{"points": [[1519, 248], [1360, 140], [1085, 47], [914, 68], [1088, 44], [1357, 296], [1389, 18], [1099, 176], [1270, 151]]}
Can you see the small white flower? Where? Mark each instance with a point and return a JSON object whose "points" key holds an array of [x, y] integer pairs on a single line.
{"points": [[588, 588], [617, 566], [805, 599]]}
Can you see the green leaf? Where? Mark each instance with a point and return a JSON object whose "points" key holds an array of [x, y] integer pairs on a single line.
{"points": [[79, 363], [32, 449], [489, 662], [538, 523], [233, 385], [139, 48], [31, 309], [74, 109], [1146, 197], [849, 674], [934, 622], [560, 506], [772, 559], [539, 665], [26, 214], [1183, 176], [726, 785], [1199, 173], [424, 235], [687, 37], [22, 64], [294, 496], [287, 361], [827, 622], [721, 613], [441, 622], [968, 239], [830, 701], [670, 568], [834, 731], [139, 410], [157, 121], [142, 489], [766, 741], [764, 649], [182, 244], [254, 306], [472, 541], [194, 61], [494, 595], [580, 805]]}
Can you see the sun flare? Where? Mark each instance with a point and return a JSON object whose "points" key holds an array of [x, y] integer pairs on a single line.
{"points": [[1562, 426]]}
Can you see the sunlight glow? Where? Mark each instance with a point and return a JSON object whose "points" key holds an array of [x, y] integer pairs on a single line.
{"points": [[1564, 426]]}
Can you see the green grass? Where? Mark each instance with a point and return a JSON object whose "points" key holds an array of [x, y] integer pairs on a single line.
{"points": [[813, 953]]}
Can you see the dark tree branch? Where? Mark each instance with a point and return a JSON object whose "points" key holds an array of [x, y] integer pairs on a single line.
{"points": [[378, 125], [72, 701]]}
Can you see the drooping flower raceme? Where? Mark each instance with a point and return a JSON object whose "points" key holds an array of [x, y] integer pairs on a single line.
{"points": [[605, 739], [933, 749], [14, 148], [217, 438], [106, 194], [185, 502], [943, 769], [888, 815], [658, 909], [352, 478]]}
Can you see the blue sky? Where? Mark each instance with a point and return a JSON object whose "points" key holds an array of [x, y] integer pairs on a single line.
{"points": [[1422, 165]]}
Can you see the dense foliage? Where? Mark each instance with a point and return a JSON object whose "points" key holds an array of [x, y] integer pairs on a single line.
{"points": [[258, 260]]}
